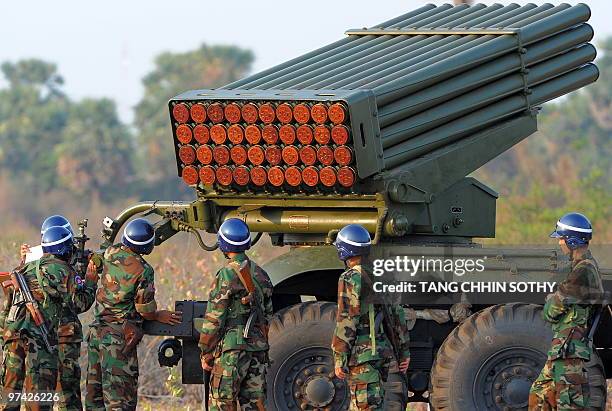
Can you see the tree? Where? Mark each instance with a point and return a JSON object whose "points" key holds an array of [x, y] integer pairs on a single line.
{"points": [[94, 156], [34, 73], [33, 113], [48, 142], [206, 67]]}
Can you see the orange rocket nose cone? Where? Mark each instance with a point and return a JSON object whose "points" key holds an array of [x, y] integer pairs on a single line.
{"points": [[232, 113], [293, 176], [310, 176], [250, 113], [266, 113], [256, 155], [205, 154], [187, 154], [270, 134], [184, 134], [215, 112], [198, 113], [241, 175], [180, 112], [301, 113], [284, 113], [318, 112], [190, 175], [201, 134], [252, 134], [207, 175], [287, 134], [259, 176]]}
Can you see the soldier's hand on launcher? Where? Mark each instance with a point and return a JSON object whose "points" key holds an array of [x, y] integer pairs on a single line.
{"points": [[340, 373], [169, 317], [207, 362], [403, 366]]}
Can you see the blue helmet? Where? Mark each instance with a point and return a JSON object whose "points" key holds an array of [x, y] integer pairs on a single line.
{"points": [[57, 241], [352, 240], [234, 236], [139, 236], [55, 221], [575, 229]]}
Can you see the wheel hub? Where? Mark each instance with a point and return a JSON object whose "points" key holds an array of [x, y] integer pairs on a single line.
{"points": [[306, 381], [504, 380], [320, 391], [516, 391]]}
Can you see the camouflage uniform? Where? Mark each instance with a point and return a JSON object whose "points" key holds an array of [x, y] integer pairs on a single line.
{"points": [[70, 333], [364, 352], [239, 371], [126, 290], [563, 383], [25, 356], [6, 306]]}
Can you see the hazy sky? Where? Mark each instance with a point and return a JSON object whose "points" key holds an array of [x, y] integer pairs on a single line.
{"points": [[104, 48]]}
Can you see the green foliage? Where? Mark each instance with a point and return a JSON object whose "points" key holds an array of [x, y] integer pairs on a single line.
{"points": [[48, 142], [33, 114], [95, 154], [33, 73], [174, 73]]}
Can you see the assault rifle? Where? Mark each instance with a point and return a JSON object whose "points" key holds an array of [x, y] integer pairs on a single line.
{"points": [[82, 255], [21, 287]]}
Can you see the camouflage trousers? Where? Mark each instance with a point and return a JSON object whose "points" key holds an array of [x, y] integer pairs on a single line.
{"points": [[27, 366], [239, 376], [69, 376], [562, 385], [366, 385], [112, 376]]}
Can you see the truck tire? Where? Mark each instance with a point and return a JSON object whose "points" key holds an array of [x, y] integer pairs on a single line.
{"points": [[491, 359], [301, 374]]}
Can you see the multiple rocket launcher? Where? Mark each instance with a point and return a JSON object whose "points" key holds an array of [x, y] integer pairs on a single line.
{"points": [[344, 117]]}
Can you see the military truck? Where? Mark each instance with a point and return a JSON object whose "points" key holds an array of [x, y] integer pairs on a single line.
{"points": [[382, 128]]}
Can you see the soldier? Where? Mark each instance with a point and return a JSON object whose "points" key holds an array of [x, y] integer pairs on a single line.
{"points": [[28, 363], [237, 354], [563, 384], [362, 353], [70, 334], [126, 295]]}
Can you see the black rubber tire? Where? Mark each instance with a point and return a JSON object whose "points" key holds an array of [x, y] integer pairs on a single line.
{"points": [[503, 343], [310, 326]]}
